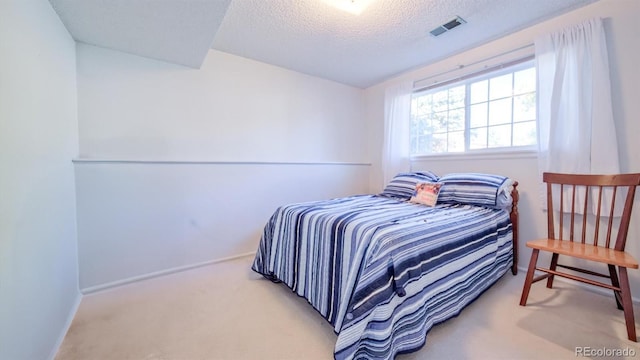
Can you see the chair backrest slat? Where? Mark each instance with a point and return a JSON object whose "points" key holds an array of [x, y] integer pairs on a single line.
{"points": [[611, 212], [561, 209], [597, 230], [584, 211], [573, 211], [581, 188], [550, 223]]}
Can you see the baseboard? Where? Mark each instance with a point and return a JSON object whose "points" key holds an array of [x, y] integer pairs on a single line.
{"points": [[111, 285], [67, 325], [594, 289]]}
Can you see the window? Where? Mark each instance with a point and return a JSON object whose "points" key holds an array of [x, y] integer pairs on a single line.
{"points": [[491, 111]]}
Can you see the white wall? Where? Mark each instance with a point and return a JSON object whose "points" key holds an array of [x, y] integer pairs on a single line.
{"points": [[232, 109], [622, 28], [221, 148], [38, 138]]}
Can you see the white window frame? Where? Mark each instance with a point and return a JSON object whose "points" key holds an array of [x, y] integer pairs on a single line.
{"points": [[485, 153]]}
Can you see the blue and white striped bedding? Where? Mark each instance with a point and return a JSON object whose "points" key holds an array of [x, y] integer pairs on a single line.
{"points": [[384, 271]]}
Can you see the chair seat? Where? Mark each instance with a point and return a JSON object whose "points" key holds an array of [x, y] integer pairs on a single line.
{"points": [[585, 251]]}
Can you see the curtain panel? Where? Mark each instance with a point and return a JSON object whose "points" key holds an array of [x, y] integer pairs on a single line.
{"points": [[576, 129], [396, 143]]}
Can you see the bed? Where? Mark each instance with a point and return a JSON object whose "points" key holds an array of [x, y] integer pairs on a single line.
{"points": [[384, 270]]}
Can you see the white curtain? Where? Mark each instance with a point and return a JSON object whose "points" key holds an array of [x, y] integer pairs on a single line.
{"points": [[576, 131], [397, 117]]}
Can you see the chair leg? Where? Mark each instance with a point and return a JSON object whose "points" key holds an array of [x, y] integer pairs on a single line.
{"points": [[529, 279], [554, 264], [625, 293], [614, 281]]}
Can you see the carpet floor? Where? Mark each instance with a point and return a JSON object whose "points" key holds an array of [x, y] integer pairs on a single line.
{"points": [[226, 311]]}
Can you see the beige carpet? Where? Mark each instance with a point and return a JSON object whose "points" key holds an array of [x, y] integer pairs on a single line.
{"points": [[225, 311]]}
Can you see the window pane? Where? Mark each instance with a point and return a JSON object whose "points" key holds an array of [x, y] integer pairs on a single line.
{"points": [[423, 104], [418, 127], [478, 138], [524, 133], [414, 144], [438, 143], [524, 107], [478, 116], [500, 111], [479, 91], [413, 125], [440, 100], [421, 125], [499, 136], [524, 81], [424, 144], [500, 87], [456, 141], [456, 119], [438, 122], [456, 97]]}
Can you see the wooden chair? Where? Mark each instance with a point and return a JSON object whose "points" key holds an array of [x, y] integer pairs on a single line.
{"points": [[597, 249]]}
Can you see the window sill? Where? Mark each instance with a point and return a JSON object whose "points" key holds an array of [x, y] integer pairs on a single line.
{"points": [[480, 155]]}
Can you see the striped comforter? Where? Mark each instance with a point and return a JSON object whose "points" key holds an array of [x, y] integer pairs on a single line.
{"points": [[384, 271]]}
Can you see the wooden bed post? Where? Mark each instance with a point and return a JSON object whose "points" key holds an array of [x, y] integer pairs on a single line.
{"points": [[514, 226]]}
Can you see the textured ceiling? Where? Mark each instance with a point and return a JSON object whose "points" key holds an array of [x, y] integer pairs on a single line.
{"points": [[309, 36], [388, 37], [177, 31]]}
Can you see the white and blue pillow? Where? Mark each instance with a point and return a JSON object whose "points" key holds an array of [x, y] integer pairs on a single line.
{"points": [[403, 185], [487, 190]]}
